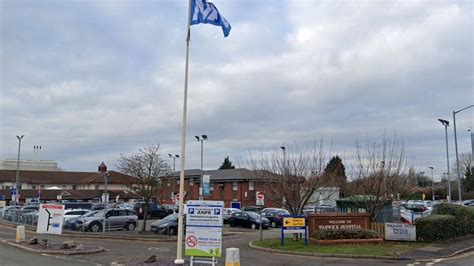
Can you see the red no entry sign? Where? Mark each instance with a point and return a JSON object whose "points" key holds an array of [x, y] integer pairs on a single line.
{"points": [[260, 199]]}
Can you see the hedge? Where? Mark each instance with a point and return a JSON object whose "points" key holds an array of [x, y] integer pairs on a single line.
{"points": [[464, 216], [436, 227], [345, 234]]}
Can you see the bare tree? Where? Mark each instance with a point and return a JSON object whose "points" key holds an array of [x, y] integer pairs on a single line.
{"points": [[381, 173], [289, 177], [147, 168]]}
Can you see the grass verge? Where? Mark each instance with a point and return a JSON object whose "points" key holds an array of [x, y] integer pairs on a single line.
{"points": [[383, 249]]}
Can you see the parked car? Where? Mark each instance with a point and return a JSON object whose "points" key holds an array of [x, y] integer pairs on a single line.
{"points": [[228, 212], [72, 222], [114, 219], [251, 209], [248, 219], [77, 205], [167, 225], [171, 208], [69, 214], [468, 202], [416, 206], [29, 208], [154, 210], [275, 216], [8, 211]]}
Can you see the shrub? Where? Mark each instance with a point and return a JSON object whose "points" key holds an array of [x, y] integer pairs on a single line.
{"points": [[345, 234], [464, 216], [436, 227]]}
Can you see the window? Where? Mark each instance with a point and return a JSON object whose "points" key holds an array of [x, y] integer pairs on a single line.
{"points": [[42, 186], [251, 185], [33, 187], [211, 187], [96, 187], [234, 186], [74, 187], [191, 182]]}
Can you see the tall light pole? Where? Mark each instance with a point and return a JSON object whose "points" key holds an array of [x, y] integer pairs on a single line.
{"points": [[422, 175], [456, 146], [103, 169], [174, 165], [432, 182], [446, 124], [201, 139], [472, 148], [17, 182]]}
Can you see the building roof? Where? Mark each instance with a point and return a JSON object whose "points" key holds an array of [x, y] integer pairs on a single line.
{"points": [[220, 175], [60, 177], [68, 194]]}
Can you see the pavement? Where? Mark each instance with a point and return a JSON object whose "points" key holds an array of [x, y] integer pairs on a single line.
{"points": [[442, 250], [427, 253]]}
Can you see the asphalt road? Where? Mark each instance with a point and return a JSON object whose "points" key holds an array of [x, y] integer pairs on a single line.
{"points": [[119, 250]]}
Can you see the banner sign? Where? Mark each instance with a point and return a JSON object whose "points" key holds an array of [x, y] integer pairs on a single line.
{"points": [[50, 219], [204, 223], [206, 180], [400, 232]]}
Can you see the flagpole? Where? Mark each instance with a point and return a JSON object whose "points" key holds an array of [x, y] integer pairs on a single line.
{"points": [[179, 242]]}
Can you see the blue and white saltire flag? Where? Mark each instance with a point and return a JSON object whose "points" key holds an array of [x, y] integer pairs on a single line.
{"points": [[205, 12]]}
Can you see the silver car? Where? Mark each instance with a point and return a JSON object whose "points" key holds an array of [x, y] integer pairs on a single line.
{"points": [[115, 219]]}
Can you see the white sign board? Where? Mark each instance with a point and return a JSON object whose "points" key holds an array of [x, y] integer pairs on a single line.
{"points": [[50, 219], [3, 203], [260, 199], [400, 232], [204, 223]]}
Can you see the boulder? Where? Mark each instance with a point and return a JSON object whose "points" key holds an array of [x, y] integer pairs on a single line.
{"points": [[68, 245], [150, 259], [33, 241]]}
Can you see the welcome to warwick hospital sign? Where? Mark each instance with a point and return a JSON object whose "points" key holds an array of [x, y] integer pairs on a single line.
{"points": [[338, 221]]}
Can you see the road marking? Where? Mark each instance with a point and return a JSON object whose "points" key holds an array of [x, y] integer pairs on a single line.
{"points": [[429, 263], [163, 249]]}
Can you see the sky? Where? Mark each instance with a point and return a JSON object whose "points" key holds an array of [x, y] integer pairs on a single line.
{"points": [[89, 80]]}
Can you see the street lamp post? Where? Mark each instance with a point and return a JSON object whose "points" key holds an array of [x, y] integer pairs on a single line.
{"points": [[432, 183], [174, 166], [446, 124], [201, 139], [17, 179], [456, 147], [422, 176], [472, 147], [103, 169]]}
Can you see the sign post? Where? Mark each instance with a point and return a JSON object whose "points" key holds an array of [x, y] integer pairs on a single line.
{"points": [[294, 224], [204, 223], [50, 219], [260, 201]]}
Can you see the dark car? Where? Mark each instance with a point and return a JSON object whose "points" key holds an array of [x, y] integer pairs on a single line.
{"points": [[171, 208], [251, 209], [275, 216], [167, 225], [154, 210], [248, 219]]}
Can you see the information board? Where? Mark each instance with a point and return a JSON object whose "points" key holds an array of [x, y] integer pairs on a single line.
{"points": [[204, 223], [400, 232], [50, 219]]}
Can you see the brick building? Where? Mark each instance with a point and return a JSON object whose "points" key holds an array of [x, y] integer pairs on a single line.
{"points": [[229, 185]]}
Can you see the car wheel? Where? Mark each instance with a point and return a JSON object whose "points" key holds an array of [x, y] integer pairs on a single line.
{"points": [[95, 227], [130, 226], [253, 226], [171, 231], [274, 224]]}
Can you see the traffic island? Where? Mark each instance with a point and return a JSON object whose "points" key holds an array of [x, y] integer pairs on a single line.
{"points": [[64, 248], [384, 250]]}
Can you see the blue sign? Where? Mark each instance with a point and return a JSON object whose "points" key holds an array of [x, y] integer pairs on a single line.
{"points": [[13, 190], [235, 204]]}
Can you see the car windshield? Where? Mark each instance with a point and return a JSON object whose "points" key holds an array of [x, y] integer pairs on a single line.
{"points": [[171, 217], [90, 214]]}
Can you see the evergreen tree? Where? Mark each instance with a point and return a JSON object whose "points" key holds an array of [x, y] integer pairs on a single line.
{"points": [[335, 174], [468, 181], [227, 164]]}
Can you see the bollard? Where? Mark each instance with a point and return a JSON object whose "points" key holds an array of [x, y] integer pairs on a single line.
{"points": [[232, 257], [20, 233]]}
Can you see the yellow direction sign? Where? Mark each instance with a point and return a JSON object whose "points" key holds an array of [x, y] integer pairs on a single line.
{"points": [[293, 222]]}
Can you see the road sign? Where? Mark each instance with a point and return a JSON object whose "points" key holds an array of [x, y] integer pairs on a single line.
{"points": [[260, 199], [293, 222], [204, 228], [50, 219]]}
